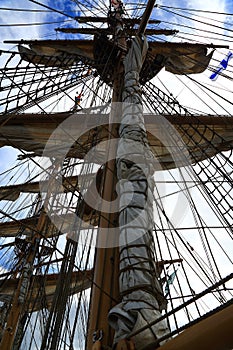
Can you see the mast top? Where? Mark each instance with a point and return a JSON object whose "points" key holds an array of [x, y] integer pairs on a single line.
{"points": [[146, 16]]}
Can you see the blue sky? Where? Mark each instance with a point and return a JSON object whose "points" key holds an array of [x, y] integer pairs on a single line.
{"points": [[72, 9], [69, 7]]}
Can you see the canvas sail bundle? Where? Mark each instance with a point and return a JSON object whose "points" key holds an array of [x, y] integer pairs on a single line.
{"points": [[31, 133], [142, 297], [80, 280], [190, 63], [176, 58], [11, 193], [55, 55]]}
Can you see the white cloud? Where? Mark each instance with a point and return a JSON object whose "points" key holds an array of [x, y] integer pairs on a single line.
{"points": [[189, 93], [11, 17], [7, 154]]}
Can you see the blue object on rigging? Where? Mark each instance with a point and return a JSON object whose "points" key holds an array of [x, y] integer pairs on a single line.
{"points": [[223, 65]]}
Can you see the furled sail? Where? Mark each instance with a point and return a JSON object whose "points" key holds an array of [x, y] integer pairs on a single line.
{"points": [[69, 184], [177, 58], [193, 63], [31, 133], [142, 297], [45, 289], [56, 55], [12, 192]]}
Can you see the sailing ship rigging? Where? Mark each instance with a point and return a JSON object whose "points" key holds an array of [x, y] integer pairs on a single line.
{"points": [[116, 218]]}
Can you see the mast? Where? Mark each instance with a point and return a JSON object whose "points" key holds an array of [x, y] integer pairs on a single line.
{"points": [[140, 245], [141, 294], [20, 296], [19, 303], [105, 289], [105, 272]]}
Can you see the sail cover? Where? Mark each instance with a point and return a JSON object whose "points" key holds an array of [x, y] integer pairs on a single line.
{"points": [[30, 133], [182, 58], [142, 299], [80, 280], [56, 53], [177, 58]]}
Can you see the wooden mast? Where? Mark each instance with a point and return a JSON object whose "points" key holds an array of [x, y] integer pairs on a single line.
{"points": [[20, 296], [105, 291], [19, 302]]}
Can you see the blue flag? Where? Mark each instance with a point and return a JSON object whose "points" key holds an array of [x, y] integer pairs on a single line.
{"points": [[170, 281]]}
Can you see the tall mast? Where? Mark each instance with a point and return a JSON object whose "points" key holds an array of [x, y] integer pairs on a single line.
{"points": [[106, 261], [105, 289], [20, 296], [19, 302]]}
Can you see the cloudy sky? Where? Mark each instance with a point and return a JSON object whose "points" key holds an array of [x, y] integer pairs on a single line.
{"points": [[16, 25], [171, 17], [29, 24]]}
